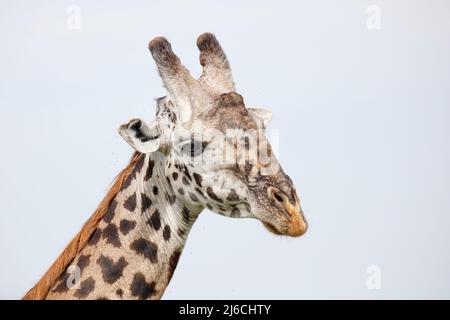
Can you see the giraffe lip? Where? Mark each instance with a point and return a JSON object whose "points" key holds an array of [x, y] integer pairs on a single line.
{"points": [[271, 228], [294, 227]]}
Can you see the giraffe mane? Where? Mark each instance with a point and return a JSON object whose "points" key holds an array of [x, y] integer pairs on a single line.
{"points": [[43, 286]]}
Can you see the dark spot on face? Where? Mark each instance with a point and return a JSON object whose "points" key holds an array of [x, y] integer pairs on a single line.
{"points": [[171, 198], [193, 197], [232, 196], [198, 179], [86, 287], [149, 172], [126, 226], [130, 203], [111, 211], [166, 233], [119, 293], [175, 175], [186, 172], [185, 181], [146, 248], [155, 190], [140, 288], [111, 271], [181, 191], [173, 263], [102, 298], [199, 192], [212, 195], [209, 206], [155, 220], [111, 235], [146, 202], [95, 237]]}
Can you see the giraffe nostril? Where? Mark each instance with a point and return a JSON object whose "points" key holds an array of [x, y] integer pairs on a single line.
{"points": [[278, 197]]}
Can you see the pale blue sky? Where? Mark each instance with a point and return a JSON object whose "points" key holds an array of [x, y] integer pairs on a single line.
{"points": [[364, 128]]}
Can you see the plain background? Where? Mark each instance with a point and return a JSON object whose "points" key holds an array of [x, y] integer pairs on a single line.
{"points": [[364, 134]]}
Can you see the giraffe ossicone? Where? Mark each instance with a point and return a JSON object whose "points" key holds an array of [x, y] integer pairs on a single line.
{"points": [[205, 149]]}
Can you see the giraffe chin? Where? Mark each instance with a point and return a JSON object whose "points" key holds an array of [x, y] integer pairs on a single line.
{"points": [[272, 229]]}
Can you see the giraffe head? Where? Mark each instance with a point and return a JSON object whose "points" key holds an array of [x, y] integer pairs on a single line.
{"points": [[214, 148]]}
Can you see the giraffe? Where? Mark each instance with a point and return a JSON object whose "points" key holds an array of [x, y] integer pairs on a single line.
{"points": [[131, 245]]}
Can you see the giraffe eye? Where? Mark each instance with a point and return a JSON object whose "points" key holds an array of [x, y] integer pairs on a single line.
{"points": [[194, 147]]}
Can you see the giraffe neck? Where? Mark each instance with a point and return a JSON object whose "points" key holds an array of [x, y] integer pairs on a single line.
{"points": [[134, 250]]}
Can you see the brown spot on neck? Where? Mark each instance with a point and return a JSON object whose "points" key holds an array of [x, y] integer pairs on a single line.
{"points": [[140, 288], [111, 271], [173, 261], [145, 248]]}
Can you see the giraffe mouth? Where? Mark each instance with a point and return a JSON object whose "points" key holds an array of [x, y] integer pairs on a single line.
{"points": [[272, 229], [296, 226]]}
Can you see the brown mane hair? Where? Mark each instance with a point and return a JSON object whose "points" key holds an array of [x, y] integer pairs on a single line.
{"points": [[41, 289]]}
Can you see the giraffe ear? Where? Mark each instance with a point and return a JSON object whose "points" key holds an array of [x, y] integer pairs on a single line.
{"points": [[142, 137], [261, 116]]}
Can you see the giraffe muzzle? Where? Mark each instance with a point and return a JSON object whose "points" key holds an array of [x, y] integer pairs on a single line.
{"points": [[294, 224], [297, 225]]}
